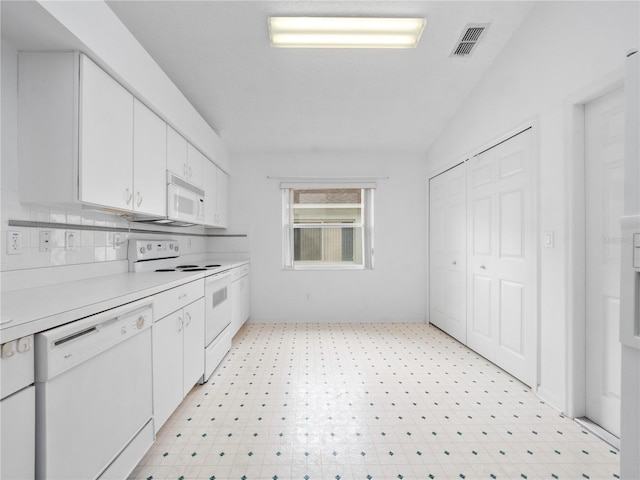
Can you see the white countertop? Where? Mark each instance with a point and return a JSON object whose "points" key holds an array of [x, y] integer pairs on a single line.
{"points": [[32, 310]]}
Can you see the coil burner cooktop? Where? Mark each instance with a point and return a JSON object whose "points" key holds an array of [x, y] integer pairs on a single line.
{"points": [[161, 256]]}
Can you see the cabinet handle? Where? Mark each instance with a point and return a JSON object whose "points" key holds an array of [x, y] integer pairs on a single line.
{"points": [[182, 297], [482, 267], [180, 324], [190, 172], [129, 195], [188, 318], [455, 263], [139, 202], [184, 170]]}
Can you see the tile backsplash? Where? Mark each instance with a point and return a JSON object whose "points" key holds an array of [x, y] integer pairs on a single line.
{"points": [[69, 246]]}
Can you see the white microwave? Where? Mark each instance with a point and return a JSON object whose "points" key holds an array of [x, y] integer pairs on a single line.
{"points": [[185, 202]]}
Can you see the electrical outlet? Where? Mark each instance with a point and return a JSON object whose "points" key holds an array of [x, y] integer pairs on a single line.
{"points": [[14, 243], [45, 240]]}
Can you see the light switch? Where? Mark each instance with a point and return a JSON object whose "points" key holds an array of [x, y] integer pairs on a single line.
{"points": [[548, 240]]}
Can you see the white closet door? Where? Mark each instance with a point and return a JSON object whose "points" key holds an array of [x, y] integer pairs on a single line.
{"points": [[447, 252], [604, 177], [501, 306]]}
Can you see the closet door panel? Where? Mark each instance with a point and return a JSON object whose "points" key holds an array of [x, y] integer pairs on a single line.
{"points": [[447, 252], [511, 320], [482, 231], [481, 308], [501, 257], [511, 224]]}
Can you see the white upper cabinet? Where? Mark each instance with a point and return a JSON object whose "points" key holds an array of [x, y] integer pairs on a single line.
{"points": [[216, 191], [210, 193], [222, 198], [106, 139], [149, 157], [84, 138], [195, 165], [177, 153], [183, 159]]}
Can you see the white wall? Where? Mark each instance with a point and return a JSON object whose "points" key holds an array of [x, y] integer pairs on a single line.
{"points": [[393, 291], [560, 50]]}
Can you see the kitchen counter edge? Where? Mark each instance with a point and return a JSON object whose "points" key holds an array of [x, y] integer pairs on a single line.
{"points": [[34, 310]]}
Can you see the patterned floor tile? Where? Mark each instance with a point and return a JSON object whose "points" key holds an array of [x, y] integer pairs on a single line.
{"points": [[367, 401]]}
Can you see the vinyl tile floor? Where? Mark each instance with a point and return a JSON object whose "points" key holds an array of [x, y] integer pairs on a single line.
{"points": [[367, 401]]}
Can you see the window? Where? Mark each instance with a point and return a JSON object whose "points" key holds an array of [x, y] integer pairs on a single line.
{"points": [[327, 227]]}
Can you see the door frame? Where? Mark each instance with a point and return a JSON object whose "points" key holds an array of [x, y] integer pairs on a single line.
{"points": [[575, 373]]}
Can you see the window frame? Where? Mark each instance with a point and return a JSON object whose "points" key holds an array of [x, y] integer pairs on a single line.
{"points": [[288, 228]]}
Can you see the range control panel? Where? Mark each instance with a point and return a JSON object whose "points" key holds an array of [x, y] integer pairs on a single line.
{"points": [[141, 250]]}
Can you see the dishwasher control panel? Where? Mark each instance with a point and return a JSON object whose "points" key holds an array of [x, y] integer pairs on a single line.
{"points": [[64, 347]]}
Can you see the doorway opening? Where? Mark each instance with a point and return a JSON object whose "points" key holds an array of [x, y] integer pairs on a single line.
{"points": [[596, 207]]}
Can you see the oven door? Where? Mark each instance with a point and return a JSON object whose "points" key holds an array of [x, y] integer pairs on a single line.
{"points": [[218, 307]]}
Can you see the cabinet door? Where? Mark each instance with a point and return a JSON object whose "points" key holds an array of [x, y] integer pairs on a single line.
{"points": [[106, 139], [222, 185], [18, 438], [193, 344], [176, 153], [195, 162], [210, 193], [167, 336], [149, 161]]}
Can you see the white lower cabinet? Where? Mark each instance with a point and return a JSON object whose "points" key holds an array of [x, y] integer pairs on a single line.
{"points": [[240, 298], [17, 409], [17, 447], [193, 344], [178, 358]]}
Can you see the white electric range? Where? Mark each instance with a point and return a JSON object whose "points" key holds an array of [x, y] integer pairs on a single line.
{"points": [[164, 256]]}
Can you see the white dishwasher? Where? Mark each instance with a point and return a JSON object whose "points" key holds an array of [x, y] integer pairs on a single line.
{"points": [[94, 395]]}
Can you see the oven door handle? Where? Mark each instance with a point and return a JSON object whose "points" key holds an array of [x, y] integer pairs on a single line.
{"points": [[218, 277]]}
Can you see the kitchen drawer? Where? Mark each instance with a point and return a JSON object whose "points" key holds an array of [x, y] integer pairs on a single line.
{"points": [[169, 301], [239, 272]]}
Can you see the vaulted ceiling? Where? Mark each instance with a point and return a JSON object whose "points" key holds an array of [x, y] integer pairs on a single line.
{"points": [[264, 99]]}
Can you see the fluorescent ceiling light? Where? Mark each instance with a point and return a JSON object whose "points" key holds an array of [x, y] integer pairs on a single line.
{"points": [[345, 32]]}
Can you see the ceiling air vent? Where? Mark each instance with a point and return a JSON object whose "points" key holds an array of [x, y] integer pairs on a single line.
{"points": [[469, 38]]}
